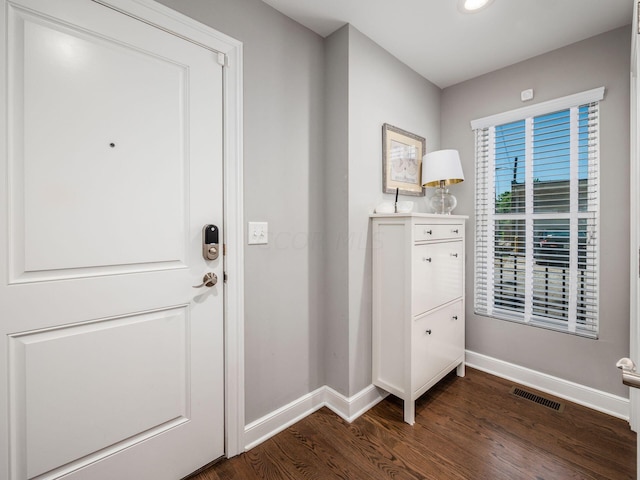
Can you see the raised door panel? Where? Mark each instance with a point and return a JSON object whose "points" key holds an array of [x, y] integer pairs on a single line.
{"points": [[59, 400], [437, 275], [438, 341], [98, 182]]}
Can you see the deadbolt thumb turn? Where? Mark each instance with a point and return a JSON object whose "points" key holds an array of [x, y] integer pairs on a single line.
{"points": [[209, 280]]}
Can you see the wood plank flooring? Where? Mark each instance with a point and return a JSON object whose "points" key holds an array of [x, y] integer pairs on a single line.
{"points": [[466, 428]]}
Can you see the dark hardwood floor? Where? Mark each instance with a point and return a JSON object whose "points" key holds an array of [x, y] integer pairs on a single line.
{"points": [[466, 428]]}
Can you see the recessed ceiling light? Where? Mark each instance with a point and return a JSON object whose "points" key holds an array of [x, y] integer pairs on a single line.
{"points": [[471, 6]]}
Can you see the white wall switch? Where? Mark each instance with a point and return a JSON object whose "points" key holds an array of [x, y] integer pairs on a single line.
{"points": [[258, 233], [526, 95]]}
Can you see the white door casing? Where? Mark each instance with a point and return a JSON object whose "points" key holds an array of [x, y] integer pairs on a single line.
{"points": [[634, 222], [123, 304]]}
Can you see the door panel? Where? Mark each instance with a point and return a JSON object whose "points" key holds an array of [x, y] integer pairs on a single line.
{"points": [[78, 157], [113, 362], [147, 392], [78, 162]]}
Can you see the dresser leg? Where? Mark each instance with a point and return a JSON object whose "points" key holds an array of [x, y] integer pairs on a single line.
{"points": [[410, 411], [460, 370]]}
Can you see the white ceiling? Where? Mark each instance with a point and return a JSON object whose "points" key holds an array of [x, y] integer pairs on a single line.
{"points": [[446, 46]]}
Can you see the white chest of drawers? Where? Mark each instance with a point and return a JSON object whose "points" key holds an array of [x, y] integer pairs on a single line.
{"points": [[418, 302]]}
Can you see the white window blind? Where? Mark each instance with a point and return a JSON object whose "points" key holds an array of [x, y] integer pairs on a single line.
{"points": [[537, 202]]}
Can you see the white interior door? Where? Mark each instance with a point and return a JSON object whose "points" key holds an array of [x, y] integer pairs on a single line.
{"points": [[112, 362]]}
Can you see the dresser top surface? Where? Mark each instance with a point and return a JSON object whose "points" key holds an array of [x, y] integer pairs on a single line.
{"points": [[426, 216]]}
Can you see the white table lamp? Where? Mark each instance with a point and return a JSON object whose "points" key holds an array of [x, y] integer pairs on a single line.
{"points": [[440, 169]]}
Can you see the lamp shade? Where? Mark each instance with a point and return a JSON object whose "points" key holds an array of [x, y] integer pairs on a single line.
{"points": [[441, 165]]}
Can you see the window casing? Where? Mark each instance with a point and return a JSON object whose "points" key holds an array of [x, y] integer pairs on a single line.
{"points": [[537, 215]]}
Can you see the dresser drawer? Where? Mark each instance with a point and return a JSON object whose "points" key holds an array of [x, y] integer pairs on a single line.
{"points": [[426, 232], [437, 274], [437, 341]]}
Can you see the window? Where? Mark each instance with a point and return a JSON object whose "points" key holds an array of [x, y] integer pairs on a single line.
{"points": [[537, 201]]}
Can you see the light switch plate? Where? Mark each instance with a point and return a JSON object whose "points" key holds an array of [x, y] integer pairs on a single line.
{"points": [[258, 233]]}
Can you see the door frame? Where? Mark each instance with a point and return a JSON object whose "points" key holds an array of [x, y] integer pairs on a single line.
{"points": [[634, 241], [193, 31]]}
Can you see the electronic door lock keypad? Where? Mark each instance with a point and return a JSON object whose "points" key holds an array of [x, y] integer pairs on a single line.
{"points": [[210, 243]]}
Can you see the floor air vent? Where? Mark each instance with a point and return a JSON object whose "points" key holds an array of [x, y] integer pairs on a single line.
{"points": [[532, 397]]}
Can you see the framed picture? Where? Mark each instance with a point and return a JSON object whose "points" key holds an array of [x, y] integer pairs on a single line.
{"points": [[401, 161]]}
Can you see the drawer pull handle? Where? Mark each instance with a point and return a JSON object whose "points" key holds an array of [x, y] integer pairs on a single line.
{"points": [[454, 255], [455, 231], [455, 317], [429, 232], [429, 331], [426, 259]]}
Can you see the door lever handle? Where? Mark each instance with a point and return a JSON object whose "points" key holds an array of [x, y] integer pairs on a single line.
{"points": [[629, 375], [209, 280]]}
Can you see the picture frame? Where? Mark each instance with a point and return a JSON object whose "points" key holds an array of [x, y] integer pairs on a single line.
{"points": [[402, 154]]}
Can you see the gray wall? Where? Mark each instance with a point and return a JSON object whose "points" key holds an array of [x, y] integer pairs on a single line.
{"points": [[336, 218], [283, 168], [308, 293], [381, 90], [599, 61], [366, 87]]}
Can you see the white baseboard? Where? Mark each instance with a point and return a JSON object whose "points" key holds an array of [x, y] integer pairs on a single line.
{"points": [[354, 406], [574, 392], [349, 408]]}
